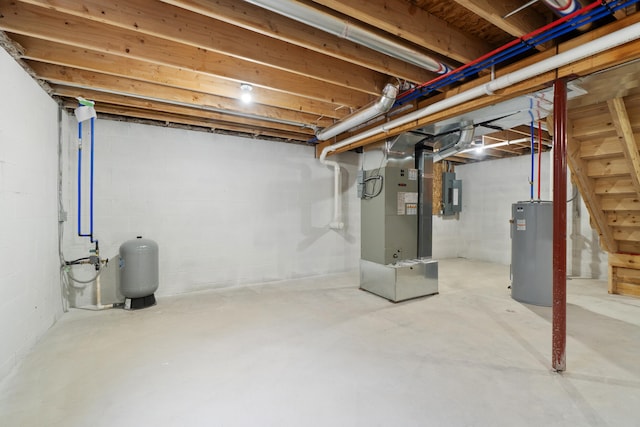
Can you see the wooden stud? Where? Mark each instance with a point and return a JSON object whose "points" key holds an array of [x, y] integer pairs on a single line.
{"points": [[437, 188]]}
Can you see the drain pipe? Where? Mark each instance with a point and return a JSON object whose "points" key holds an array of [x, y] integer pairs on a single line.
{"points": [[375, 109], [609, 41], [342, 28]]}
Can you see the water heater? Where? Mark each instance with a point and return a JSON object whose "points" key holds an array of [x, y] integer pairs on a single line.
{"points": [[532, 252], [139, 275]]}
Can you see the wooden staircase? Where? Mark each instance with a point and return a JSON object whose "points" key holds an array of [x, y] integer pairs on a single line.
{"points": [[603, 156]]}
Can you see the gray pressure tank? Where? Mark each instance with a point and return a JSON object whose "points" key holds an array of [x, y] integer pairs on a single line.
{"points": [[139, 275]]}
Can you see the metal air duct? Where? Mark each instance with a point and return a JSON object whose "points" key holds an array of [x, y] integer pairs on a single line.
{"points": [[464, 141], [363, 115]]}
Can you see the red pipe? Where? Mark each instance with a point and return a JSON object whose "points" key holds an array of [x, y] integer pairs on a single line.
{"points": [[539, 154], [506, 46], [559, 333]]}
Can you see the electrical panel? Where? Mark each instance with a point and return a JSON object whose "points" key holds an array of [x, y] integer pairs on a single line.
{"points": [[451, 194]]}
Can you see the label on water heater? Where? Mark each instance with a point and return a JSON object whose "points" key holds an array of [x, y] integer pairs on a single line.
{"points": [[413, 174], [521, 224]]}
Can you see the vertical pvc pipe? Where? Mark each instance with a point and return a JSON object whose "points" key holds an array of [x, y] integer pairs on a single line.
{"points": [[79, 178], [533, 157], [559, 333], [91, 181], [539, 157]]}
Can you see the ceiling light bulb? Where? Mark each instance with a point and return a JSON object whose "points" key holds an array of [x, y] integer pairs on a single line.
{"points": [[246, 89]]}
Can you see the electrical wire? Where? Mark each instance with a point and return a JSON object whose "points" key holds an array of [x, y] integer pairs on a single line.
{"points": [[375, 193], [82, 282]]}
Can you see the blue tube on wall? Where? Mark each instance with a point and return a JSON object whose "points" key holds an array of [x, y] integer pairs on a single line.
{"points": [[91, 178], [80, 233], [80, 179]]}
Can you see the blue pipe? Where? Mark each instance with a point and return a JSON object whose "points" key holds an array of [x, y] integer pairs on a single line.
{"points": [[524, 45], [91, 180], [80, 233], [80, 179]]}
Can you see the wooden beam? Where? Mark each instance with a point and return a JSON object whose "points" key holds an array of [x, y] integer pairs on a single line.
{"points": [[50, 25], [91, 60], [517, 25], [627, 139], [261, 21], [161, 107], [585, 185], [414, 25], [182, 26], [125, 111], [105, 83]]}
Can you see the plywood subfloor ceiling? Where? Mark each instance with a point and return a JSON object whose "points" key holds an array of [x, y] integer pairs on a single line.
{"points": [[181, 62]]}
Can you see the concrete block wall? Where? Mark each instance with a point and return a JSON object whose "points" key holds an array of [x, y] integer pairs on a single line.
{"points": [[224, 210], [489, 190], [30, 299]]}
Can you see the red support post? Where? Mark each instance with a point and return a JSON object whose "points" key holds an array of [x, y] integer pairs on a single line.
{"points": [[559, 334]]}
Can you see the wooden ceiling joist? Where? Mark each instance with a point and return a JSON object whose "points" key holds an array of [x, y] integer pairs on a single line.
{"points": [[419, 27], [191, 121], [517, 25], [27, 20], [89, 60], [217, 36], [110, 84], [264, 22], [160, 107]]}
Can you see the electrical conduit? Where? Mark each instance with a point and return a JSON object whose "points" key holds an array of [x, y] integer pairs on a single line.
{"points": [[609, 41]]}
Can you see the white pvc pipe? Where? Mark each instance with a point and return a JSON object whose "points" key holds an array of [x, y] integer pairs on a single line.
{"points": [[98, 293], [336, 223], [617, 38]]}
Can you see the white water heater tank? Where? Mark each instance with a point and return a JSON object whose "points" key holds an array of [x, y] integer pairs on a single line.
{"points": [[139, 267]]}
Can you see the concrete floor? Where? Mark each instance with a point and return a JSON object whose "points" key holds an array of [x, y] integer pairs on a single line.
{"points": [[320, 352]]}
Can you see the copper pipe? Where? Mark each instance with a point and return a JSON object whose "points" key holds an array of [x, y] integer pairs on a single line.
{"points": [[559, 334]]}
